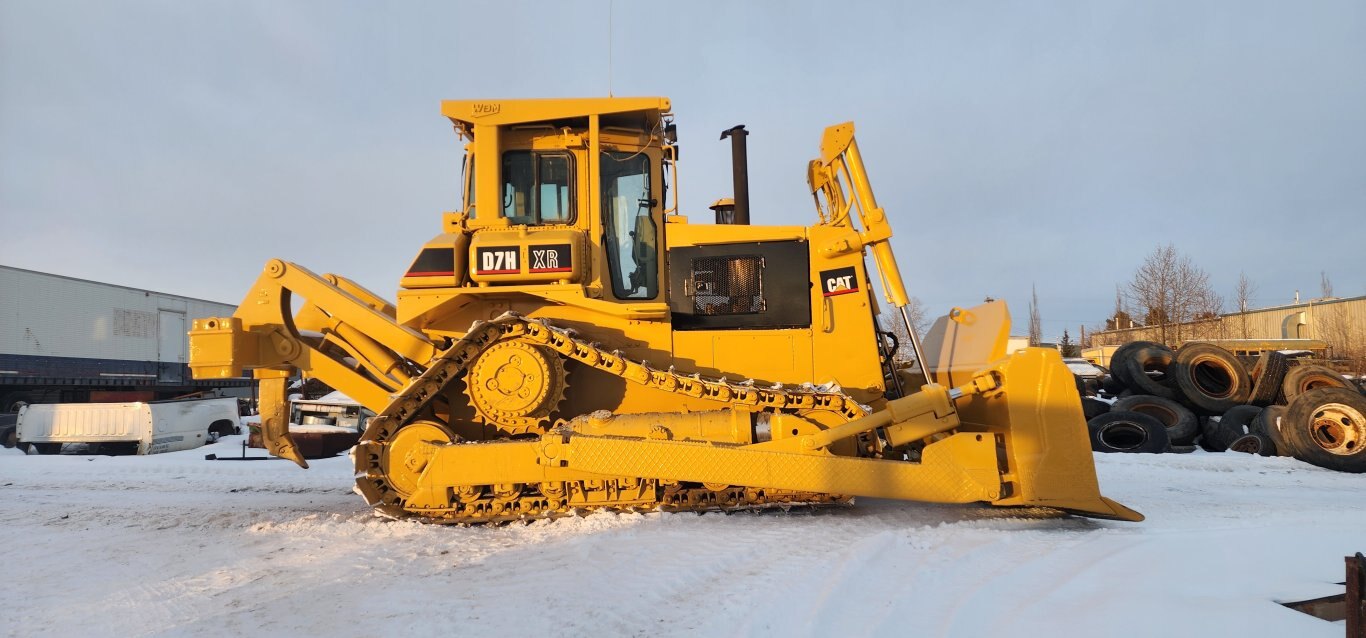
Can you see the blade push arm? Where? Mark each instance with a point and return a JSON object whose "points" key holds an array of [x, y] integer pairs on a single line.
{"points": [[839, 170]]}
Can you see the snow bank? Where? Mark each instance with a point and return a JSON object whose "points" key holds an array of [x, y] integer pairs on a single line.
{"points": [[176, 544]]}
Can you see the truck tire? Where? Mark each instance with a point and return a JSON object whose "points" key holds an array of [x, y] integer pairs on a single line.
{"points": [[1211, 378], [1303, 378], [1146, 367], [13, 401], [1118, 369], [1204, 440], [1120, 354], [1111, 385], [221, 428], [1234, 423], [1268, 423], [1266, 377], [1093, 408], [1129, 432], [1253, 444], [1182, 426], [1327, 427]]}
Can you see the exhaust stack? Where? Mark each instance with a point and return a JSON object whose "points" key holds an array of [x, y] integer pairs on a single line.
{"points": [[739, 162]]}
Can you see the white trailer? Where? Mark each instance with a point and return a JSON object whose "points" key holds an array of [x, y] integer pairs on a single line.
{"points": [[67, 340], [141, 428]]}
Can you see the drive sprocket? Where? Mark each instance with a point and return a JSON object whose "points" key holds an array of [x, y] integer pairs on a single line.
{"points": [[515, 386]]}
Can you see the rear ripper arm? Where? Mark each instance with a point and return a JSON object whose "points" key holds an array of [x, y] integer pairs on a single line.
{"points": [[343, 334]]}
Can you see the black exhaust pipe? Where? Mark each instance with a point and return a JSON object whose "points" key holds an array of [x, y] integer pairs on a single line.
{"points": [[739, 162]]}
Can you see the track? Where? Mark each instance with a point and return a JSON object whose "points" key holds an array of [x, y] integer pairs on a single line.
{"points": [[376, 477]]}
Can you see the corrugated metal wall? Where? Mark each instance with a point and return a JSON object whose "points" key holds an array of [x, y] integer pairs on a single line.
{"points": [[1333, 321], [55, 316]]}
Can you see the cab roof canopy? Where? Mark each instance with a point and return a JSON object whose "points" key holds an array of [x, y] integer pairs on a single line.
{"points": [[632, 112]]}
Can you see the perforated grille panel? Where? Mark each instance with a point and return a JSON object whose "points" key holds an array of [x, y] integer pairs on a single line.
{"points": [[728, 285], [763, 285]]}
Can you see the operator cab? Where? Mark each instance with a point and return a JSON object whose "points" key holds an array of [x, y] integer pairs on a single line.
{"points": [[578, 189]]}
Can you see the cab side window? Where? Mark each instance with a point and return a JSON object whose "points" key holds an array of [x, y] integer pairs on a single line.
{"points": [[538, 188], [629, 233]]}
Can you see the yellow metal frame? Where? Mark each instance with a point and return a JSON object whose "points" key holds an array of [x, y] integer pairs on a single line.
{"points": [[1003, 430]]}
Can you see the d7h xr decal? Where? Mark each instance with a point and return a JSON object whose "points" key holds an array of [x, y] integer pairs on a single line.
{"points": [[550, 258], [840, 281], [496, 260]]}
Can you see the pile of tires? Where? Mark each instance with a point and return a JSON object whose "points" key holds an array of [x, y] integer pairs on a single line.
{"points": [[1156, 399]]}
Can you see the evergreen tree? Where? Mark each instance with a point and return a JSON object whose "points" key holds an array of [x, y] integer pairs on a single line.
{"points": [[1068, 348]]}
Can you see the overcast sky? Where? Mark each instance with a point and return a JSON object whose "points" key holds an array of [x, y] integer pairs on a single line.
{"points": [[177, 146]]}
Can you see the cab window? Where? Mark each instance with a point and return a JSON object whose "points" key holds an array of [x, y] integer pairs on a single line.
{"points": [[469, 186], [629, 226], [538, 188]]}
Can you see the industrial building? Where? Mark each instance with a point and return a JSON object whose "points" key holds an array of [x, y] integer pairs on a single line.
{"points": [[1338, 322]]}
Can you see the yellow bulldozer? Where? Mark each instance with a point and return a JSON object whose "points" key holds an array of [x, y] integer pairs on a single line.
{"points": [[569, 342]]}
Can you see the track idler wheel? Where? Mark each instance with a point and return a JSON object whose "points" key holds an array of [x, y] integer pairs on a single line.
{"points": [[409, 452]]}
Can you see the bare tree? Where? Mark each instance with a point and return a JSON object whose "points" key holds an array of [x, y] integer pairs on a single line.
{"points": [[1095, 336], [1243, 297], [1195, 300], [891, 319], [1035, 323], [1170, 290], [1152, 288], [1346, 340], [1206, 305]]}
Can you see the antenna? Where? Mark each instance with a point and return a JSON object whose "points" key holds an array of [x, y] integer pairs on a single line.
{"points": [[610, 5]]}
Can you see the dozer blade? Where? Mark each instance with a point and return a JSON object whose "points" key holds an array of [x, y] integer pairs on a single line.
{"points": [[1038, 419], [1036, 414]]}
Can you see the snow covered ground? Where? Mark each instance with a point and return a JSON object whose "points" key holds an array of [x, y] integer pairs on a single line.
{"points": [[176, 545]]}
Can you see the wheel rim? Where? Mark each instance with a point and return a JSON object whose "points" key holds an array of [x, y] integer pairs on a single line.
{"points": [[1247, 445], [1339, 429], [1123, 435], [1316, 381]]}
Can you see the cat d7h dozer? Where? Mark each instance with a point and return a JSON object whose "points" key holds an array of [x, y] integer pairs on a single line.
{"points": [[569, 342]]}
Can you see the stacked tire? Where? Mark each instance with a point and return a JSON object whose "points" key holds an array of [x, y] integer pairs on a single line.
{"points": [[1157, 400], [1135, 409]]}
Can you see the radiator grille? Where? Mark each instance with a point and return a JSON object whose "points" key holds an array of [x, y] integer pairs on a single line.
{"points": [[728, 285]]}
